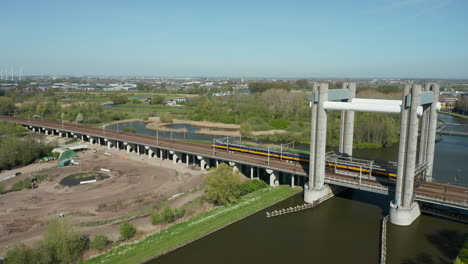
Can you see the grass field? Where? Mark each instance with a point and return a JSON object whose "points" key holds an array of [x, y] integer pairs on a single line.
{"points": [[196, 227]]}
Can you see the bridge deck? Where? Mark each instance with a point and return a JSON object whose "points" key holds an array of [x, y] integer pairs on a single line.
{"points": [[431, 192]]}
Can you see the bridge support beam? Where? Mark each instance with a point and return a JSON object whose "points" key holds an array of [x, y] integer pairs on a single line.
{"points": [[348, 123], [316, 188], [203, 163], [431, 131], [403, 209], [150, 153], [273, 177], [175, 157]]}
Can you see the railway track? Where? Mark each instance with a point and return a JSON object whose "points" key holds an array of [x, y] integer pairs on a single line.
{"points": [[430, 189]]}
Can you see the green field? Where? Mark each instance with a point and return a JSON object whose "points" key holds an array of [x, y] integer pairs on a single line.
{"points": [[196, 227]]}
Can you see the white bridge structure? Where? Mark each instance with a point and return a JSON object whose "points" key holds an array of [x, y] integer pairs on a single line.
{"points": [[417, 104]]}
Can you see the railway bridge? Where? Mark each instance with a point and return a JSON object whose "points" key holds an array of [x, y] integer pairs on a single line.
{"points": [[314, 175]]}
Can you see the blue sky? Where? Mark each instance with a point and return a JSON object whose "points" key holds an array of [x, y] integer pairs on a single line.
{"points": [[361, 38]]}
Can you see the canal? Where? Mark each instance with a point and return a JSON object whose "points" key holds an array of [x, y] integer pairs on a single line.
{"points": [[345, 229]]}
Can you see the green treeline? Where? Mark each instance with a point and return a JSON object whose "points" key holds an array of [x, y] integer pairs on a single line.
{"points": [[19, 149], [85, 113], [281, 109], [258, 87]]}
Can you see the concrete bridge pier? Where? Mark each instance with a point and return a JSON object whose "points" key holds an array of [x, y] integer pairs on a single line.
{"points": [[127, 146], [403, 209], [251, 173], [292, 181], [150, 152], [175, 157], [316, 188], [347, 123], [234, 167], [204, 164], [273, 177]]}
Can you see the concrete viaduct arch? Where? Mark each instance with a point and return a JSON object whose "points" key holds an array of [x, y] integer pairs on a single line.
{"points": [[416, 103]]}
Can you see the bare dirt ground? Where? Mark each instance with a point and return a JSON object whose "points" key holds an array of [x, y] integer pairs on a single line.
{"points": [[135, 182]]}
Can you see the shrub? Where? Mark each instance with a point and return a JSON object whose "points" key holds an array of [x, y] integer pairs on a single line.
{"points": [[127, 231], [157, 99], [2, 187], [179, 213], [280, 123], [119, 99], [251, 186], [100, 242], [245, 129], [156, 219], [167, 215], [62, 244], [222, 185], [166, 118], [19, 254]]}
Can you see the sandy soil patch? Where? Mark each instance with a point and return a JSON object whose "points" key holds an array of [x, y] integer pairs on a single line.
{"points": [[135, 182], [268, 132]]}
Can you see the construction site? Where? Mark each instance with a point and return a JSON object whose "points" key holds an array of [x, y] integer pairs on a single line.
{"points": [[96, 192]]}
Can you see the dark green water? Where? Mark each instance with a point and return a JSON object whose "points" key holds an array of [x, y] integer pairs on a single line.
{"points": [[345, 229]]}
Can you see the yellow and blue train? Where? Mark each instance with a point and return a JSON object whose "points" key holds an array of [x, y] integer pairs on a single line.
{"points": [[377, 168]]}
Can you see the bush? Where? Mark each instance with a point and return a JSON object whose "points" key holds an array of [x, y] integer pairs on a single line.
{"points": [[251, 186], [179, 213], [167, 216], [19, 254], [100, 242], [222, 185], [2, 187], [157, 99], [245, 129], [127, 231], [136, 101], [156, 219], [62, 244], [280, 123], [166, 118], [119, 99]]}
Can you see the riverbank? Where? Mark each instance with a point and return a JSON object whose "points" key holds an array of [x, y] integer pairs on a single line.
{"points": [[199, 226], [453, 114]]}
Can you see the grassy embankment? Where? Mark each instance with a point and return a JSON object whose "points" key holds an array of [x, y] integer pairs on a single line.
{"points": [[194, 228]]}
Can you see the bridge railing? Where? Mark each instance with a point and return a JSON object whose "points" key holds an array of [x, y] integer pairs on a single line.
{"points": [[331, 179]]}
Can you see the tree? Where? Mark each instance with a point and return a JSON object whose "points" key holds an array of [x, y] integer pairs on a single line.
{"points": [[127, 231], [302, 84], [79, 118], [156, 219], [245, 129], [166, 118], [62, 243], [167, 216], [119, 99], [100, 242], [7, 106], [222, 185], [157, 99]]}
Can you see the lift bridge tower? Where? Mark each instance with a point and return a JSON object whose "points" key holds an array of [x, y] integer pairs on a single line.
{"points": [[417, 104]]}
